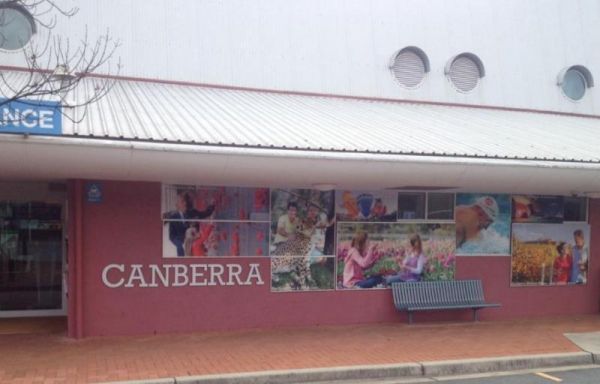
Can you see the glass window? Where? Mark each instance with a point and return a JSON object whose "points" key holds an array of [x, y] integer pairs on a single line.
{"points": [[574, 84], [440, 206], [411, 205], [16, 27], [31, 256], [575, 209]]}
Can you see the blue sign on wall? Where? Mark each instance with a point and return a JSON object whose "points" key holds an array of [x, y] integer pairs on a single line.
{"points": [[31, 116], [93, 192]]}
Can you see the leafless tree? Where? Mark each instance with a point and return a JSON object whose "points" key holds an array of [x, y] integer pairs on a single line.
{"points": [[57, 68]]}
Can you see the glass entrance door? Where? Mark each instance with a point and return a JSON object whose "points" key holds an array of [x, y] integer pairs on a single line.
{"points": [[31, 258]]}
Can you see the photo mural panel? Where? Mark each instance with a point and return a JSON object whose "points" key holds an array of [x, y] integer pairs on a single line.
{"points": [[215, 221], [482, 224], [366, 205], [550, 254], [374, 255], [302, 240], [302, 222], [537, 209], [302, 273]]}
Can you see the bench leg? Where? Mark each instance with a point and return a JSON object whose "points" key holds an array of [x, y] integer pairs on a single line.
{"points": [[410, 317], [475, 317]]}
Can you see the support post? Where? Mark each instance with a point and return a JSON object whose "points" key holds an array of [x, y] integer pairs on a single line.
{"points": [[76, 262]]}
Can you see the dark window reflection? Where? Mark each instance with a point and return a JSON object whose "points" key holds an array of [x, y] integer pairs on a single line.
{"points": [[30, 256]]}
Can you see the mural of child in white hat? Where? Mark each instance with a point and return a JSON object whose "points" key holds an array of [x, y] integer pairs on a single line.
{"points": [[489, 206]]}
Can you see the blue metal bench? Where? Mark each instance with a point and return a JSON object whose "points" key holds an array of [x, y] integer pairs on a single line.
{"points": [[437, 295]]}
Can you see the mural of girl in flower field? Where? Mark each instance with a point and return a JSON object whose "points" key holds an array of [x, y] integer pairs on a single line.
{"points": [[359, 257], [392, 254], [411, 264]]}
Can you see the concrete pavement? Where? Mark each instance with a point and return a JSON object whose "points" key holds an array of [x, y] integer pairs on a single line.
{"points": [[588, 341], [407, 372], [285, 355]]}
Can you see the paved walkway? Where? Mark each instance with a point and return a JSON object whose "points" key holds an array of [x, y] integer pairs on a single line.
{"points": [[53, 358]]}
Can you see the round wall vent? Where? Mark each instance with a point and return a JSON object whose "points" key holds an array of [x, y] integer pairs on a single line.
{"points": [[464, 71], [409, 66], [16, 26], [574, 81]]}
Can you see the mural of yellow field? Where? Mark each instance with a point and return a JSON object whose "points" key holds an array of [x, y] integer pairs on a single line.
{"points": [[535, 253], [532, 262]]}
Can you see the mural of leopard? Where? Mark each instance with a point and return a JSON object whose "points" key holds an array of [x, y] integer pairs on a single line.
{"points": [[290, 257], [293, 257], [298, 268], [299, 246]]}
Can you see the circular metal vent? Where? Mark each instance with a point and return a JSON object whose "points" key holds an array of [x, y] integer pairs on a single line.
{"points": [[574, 84], [574, 81], [16, 26], [409, 67], [464, 73]]}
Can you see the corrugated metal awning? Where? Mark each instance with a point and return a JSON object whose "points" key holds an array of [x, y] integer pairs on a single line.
{"points": [[175, 113], [136, 110]]}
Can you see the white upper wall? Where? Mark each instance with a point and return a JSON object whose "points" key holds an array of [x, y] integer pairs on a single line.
{"points": [[345, 46]]}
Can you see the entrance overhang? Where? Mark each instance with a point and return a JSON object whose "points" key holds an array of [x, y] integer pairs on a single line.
{"points": [[40, 157]]}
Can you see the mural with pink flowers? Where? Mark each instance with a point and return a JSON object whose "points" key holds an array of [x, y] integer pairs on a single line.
{"points": [[374, 255]]}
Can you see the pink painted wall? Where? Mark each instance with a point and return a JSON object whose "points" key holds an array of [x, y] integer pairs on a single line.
{"points": [[126, 229]]}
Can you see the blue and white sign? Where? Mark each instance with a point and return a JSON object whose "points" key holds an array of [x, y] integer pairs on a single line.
{"points": [[30, 116], [93, 192]]}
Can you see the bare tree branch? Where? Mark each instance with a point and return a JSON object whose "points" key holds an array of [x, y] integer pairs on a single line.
{"points": [[56, 67]]}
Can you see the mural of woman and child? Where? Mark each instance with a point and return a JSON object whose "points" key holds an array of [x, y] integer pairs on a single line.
{"points": [[217, 221], [554, 254], [376, 255]]}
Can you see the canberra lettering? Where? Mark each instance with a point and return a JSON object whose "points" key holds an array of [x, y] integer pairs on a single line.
{"points": [[180, 275]]}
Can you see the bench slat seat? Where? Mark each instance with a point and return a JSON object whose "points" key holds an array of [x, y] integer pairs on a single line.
{"points": [[449, 306], [439, 295]]}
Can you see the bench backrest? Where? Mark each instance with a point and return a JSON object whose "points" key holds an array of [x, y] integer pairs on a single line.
{"points": [[415, 294]]}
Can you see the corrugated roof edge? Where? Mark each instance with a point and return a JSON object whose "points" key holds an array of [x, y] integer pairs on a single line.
{"points": [[314, 94]]}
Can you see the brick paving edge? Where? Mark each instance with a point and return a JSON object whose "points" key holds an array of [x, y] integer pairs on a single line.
{"points": [[509, 363], [407, 370]]}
